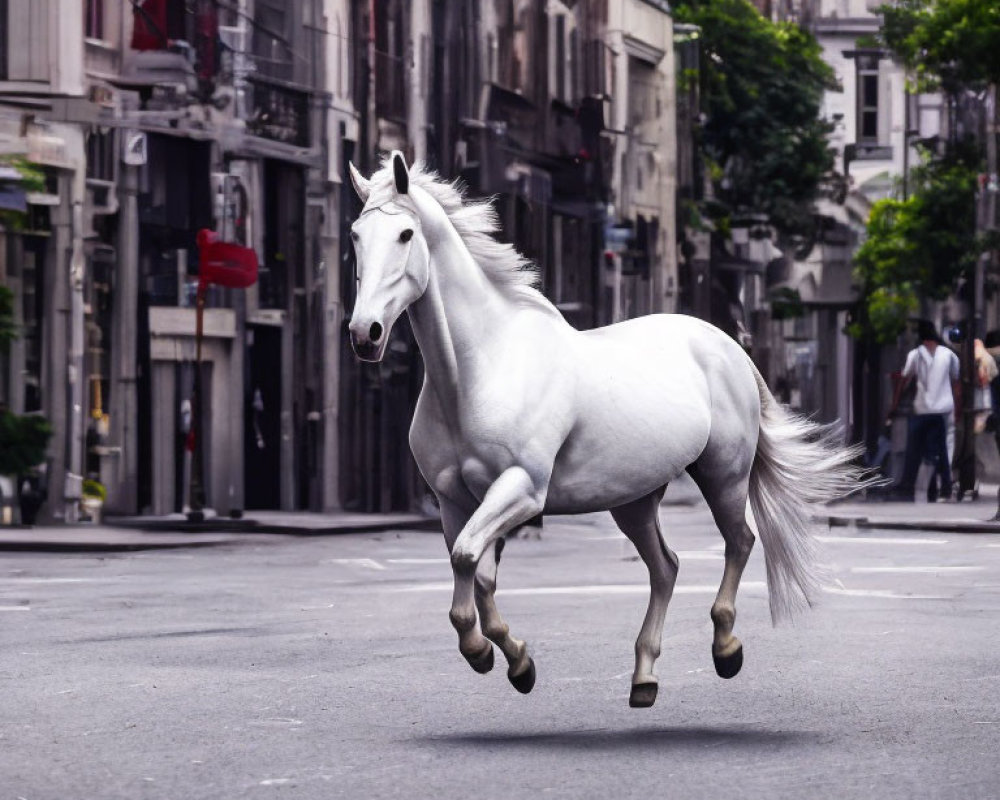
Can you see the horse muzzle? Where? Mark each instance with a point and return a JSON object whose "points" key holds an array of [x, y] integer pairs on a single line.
{"points": [[369, 345]]}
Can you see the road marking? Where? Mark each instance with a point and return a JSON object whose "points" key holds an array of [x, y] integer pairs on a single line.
{"points": [[912, 569], [599, 588], [367, 563], [15, 608], [17, 579], [989, 545], [701, 555], [872, 540], [886, 593]]}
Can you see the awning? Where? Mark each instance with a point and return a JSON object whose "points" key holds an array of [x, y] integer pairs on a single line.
{"points": [[13, 198]]}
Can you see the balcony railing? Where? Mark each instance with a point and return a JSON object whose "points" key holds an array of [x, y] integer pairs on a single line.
{"points": [[278, 113]]}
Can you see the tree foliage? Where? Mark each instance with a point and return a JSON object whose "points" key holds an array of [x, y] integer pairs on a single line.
{"points": [[23, 441], [8, 330], [761, 86], [32, 180], [947, 44], [921, 246]]}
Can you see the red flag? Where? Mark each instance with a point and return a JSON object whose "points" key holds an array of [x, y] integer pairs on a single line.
{"points": [[149, 25], [224, 263]]}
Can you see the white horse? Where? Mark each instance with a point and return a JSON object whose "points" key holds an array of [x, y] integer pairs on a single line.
{"points": [[522, 414]]}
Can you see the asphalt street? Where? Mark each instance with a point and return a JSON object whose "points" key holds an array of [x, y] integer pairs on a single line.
{"points": [[326, 667]]}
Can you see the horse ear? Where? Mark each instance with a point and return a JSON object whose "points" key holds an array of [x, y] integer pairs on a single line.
{"points": [[400, 173], [362, 185]]}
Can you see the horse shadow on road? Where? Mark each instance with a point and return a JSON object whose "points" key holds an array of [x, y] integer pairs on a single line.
{"points": [[659, 737]]}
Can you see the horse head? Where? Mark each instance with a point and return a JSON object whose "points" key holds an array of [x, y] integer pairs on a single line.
{"points": [[392, 256]]}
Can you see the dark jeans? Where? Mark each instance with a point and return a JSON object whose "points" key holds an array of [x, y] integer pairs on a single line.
{"points": [[926, 440]]}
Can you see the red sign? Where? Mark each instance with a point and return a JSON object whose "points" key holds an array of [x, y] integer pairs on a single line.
{"points": [[224, 263]]}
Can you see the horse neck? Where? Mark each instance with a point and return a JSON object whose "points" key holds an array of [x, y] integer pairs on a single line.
{"points": [[453, 318]]}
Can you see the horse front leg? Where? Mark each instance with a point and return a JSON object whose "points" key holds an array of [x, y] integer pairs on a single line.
{"points": [[511, 500], [520, 669], [471, 643]]}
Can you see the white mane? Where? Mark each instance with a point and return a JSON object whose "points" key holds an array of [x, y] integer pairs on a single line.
{"points": [[476, 222]]}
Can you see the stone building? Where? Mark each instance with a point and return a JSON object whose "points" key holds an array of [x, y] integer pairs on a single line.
{"points": [[157, 119]]}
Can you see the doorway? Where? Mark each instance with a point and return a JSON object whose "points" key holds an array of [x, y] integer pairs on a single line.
{"points": [[262, 435]]}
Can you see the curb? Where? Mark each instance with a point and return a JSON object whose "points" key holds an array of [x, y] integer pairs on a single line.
{"points": [[68, 547], [945, 526], [252, 526], [226, 532]]}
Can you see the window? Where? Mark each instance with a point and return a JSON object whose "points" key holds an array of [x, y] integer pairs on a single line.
{"points": [[868, 111], [24, 40], [390, 64], [560, 57], [270, 40], [93, 22], [101, 155], [595, 68], [4, 35]]}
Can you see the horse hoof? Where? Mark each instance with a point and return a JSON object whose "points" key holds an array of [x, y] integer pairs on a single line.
{"points": [[729, 666], [643, 695], [524, 682], [484, 663]]}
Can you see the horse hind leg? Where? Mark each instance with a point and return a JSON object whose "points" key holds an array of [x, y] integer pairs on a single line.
{"points": [[640, 522], [726, 495], [521, 668]]}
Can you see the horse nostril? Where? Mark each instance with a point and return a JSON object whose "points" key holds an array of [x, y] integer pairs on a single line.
{"points": [[375, 332]]}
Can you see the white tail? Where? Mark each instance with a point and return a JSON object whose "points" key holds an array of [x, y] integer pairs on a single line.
{"points": [[799, 464]]}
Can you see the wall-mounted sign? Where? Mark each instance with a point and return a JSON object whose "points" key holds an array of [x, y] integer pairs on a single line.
{"points": [[135, 148]]}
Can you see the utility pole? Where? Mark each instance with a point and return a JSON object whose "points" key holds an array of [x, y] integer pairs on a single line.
{"points": [[987, 205]]}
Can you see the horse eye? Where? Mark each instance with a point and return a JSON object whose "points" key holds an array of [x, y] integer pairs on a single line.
{"points": [[406, 235], [354, 236]]}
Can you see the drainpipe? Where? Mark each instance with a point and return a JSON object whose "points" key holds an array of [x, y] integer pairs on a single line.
{"points": [[74, 369]]}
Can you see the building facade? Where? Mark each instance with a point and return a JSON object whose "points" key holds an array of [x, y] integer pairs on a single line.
{"points": [[564, 113], [172, 117], [155, 119]]}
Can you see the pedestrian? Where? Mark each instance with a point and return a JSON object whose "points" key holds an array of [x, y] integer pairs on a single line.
{"points": [[934, 366]]}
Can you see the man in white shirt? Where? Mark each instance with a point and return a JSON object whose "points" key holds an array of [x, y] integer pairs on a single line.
{"points": [[935, 368]]}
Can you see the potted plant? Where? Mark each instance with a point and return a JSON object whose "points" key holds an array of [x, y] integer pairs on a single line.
{"points": [[92, 498]]}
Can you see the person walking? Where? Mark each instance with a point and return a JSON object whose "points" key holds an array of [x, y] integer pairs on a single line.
{"points": [[935, 368]]}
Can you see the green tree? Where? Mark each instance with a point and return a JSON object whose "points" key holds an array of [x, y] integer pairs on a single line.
{"points": [[8, 330], [947, 44], [23, 441], [32, 180], [921, 246], [761, 85]]}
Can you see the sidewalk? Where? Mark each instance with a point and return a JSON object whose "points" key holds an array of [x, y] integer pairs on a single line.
{"points": [[123, 534], [969, 516]]}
